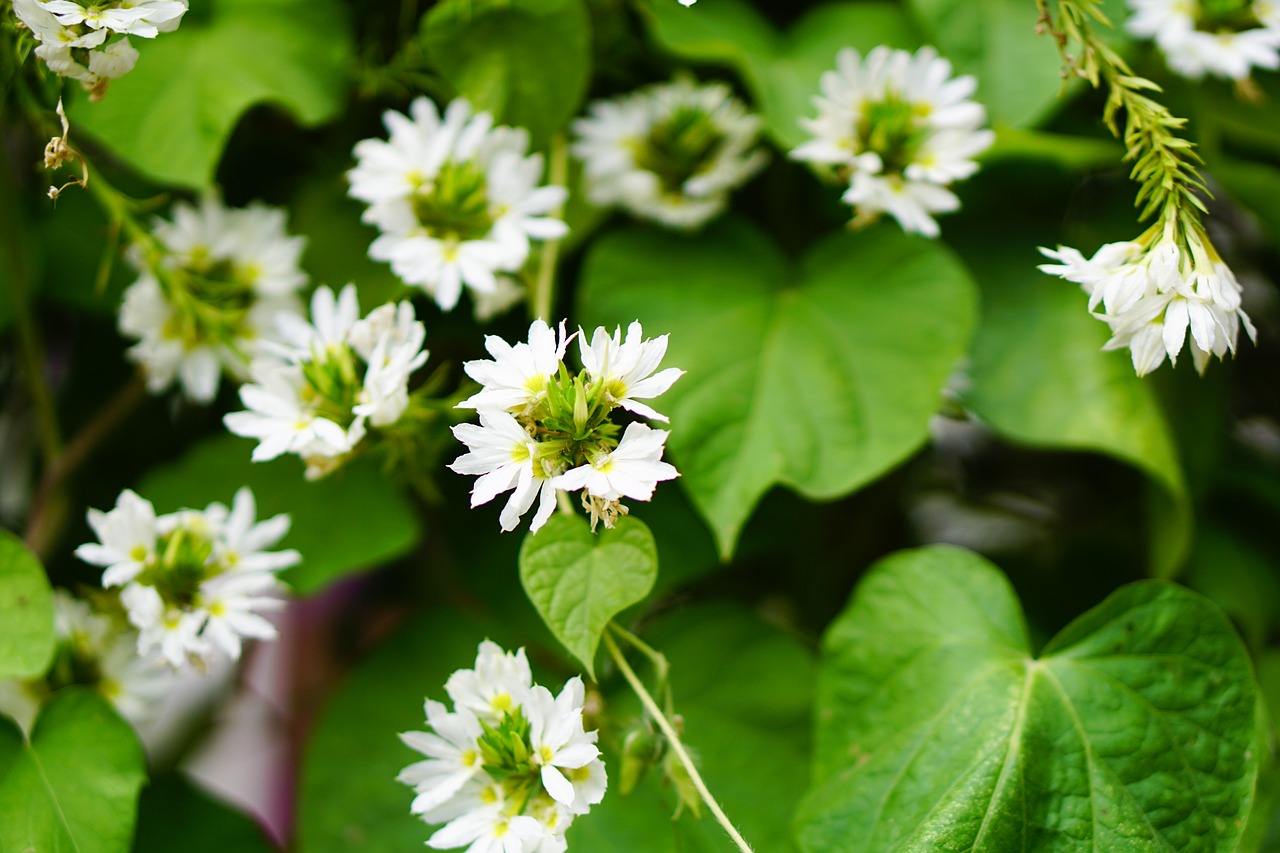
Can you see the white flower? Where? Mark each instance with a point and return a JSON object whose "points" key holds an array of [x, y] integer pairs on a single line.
{"points": [[319, 391], [1153, 294], [899, 128], [456, 199], [1199, 37], [557, 737], [96, 651], [506, 458], [631, 470], [511, 766], [207, 304], [517, 376], [626, 367], [194, 580], [670, 152]]}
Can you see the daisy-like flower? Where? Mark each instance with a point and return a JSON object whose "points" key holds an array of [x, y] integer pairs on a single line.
{"points": [[670, 153], [1155, 290], [199, 583], [1221, 38], [208, 293], [899, 129], [96, 650], [88, 42], [511, 766], [457, 200], [543, 429], [329, 382]]}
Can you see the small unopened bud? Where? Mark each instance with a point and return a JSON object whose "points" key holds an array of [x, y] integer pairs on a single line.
{"points": [[581, 413], [686, 793], [641, 749]]}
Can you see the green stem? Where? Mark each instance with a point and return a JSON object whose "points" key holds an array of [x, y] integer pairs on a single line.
{"points": [[545, 285], [673, 740]]}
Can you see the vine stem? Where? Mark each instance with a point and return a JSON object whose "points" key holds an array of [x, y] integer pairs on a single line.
{"points": [[45, 519], [673, 739], [545, 285]]}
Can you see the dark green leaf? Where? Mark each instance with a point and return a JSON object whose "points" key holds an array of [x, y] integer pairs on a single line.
{"points": [[1134, 730], [578, 580], [356, 518], [26, 611], [526, 61], [74, 787], [820, 376], [172, 809], [170, 117]]}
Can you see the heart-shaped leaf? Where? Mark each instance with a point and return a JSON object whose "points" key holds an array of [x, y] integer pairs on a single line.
{"points": [[1134, 729], [578, 580], [527, 62], [171, 116], [74, 787], [26, 611], [820, 375]]}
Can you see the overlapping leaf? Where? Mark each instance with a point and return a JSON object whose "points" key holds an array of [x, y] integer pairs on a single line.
{"points": [[1133, 730], [820, 375], [26, 611]]}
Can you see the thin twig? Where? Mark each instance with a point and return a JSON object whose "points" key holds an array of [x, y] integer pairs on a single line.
{"points": [[545, 286]]}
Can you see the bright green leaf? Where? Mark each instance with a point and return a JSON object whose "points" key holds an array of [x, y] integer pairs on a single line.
{"points": [[26, 611], [1039, 376], [579, 580], [171, 116], [365, 498], [74, 787], [820, 376], [1134, 730], [526, 61], [349, 798], [1019, 73], [172, 808], [745, 691]]}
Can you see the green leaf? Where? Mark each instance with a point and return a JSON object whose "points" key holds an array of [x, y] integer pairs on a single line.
{"points": [[744, 689], [173, 810], [781, 71], [361, 496], [170, 117], [349, 798], [526, 61], [579, 580], [1040, 377], [820, 375], [26, 611], [1134, 730], [74, 787], [1019, 73]]}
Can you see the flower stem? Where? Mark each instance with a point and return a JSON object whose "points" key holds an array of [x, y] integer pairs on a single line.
{"points": [[673, 739], [544, 287]]}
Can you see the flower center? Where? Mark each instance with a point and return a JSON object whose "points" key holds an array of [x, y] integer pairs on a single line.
{"points": [[892, 129], [334, 379], [211, 298], [454, 207], [181, 565], [679, 147], [1226, 16]]}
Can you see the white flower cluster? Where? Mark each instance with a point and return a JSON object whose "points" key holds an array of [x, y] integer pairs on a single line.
{"points": [[208, 293], [89, 42], [318, 391], [899, 128], [1222, 38], [1151, 295], [511, 767], [457, 201], [670, 153], [94, 650], [543, 429], [194, 581]]}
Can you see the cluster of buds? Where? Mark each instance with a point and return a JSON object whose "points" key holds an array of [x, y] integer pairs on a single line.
{"points": [[509, 768], [89, 42], [194, 581], [546, 429]]}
